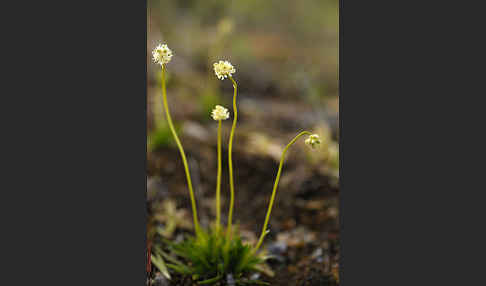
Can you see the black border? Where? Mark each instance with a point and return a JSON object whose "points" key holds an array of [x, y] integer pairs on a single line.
{"points": [[75, 162], [74, 139]]}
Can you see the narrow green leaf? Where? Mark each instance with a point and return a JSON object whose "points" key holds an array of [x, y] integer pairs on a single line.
{"points": [[158, 261], [211, 280]]}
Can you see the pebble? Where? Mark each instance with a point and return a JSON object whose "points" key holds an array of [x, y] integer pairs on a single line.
{"points": [[230, 280], [317, 253], [160, 280], [278, 247]]}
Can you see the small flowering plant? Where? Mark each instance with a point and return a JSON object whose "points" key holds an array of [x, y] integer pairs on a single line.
{"points": [[217, 254]]}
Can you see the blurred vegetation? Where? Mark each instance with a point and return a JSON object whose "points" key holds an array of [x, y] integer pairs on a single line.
{"points": [[159, 138], [279, 47], [286, 58]]}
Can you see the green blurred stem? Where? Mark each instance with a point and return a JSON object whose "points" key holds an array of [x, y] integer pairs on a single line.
{"points": [[181, 150], [218, 181], [230, 160], [272, 199]]}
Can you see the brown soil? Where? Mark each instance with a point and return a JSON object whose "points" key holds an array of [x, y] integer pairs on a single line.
{"points": [[304, 217]]}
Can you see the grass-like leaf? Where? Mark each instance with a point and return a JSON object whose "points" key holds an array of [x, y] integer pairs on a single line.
{"points": [[210, 280], [158, 261], [208, 258]]}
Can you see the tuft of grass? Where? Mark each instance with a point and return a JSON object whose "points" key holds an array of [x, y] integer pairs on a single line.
{"points": [[210, 257]]}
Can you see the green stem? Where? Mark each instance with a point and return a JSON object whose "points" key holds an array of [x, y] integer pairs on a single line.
{"points": [[181, 150], [218, 180], [230, 160], [272, 199]]}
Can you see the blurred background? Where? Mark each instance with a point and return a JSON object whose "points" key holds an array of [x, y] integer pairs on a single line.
{"points": [[286, 58]]}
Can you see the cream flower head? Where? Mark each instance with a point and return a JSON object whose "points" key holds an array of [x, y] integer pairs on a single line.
{"points": [[223, 69], [313, 141], [162, 54], [220, 113]]}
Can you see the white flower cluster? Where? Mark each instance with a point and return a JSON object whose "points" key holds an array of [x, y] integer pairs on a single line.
{"points": [[313, 140], [162, 54], [220, 113], [223, 69]]}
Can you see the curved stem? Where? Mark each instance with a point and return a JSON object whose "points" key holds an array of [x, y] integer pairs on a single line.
{"points": [[272, 199], [218, 180], [230, 160], [181, 150]]}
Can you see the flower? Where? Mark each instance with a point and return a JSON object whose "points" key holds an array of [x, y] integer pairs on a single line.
{"points": [[223, 69], [313, 141], [220, 113], [162, 54]]}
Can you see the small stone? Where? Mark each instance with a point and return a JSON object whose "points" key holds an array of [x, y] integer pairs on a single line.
{"points": [[317, 253], [333, 212], [160, 280], [278, 247], [255, 276], [179, 238], [230, 280]]}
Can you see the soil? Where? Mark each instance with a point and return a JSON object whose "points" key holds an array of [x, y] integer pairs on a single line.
{"points": [[304, 223]]}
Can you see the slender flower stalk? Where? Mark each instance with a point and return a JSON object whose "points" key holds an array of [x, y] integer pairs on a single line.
{"points": [[219, 113], [223, 70], [218, 181], [181, 150], [272, 199], [230, 159]]}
